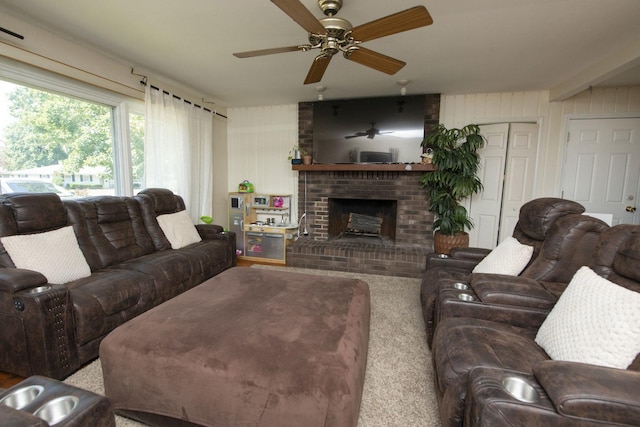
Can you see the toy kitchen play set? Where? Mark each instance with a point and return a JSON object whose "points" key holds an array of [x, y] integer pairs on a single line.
{"points": [[262, 225]]}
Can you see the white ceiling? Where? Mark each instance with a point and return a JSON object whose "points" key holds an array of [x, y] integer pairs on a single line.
{"points": [[473, 46]]}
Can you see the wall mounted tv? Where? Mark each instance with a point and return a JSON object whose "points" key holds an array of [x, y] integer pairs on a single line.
{"points": [[369, 130]]}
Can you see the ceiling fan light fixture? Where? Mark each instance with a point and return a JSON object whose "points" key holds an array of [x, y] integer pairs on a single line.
{"points": [[403, 86], [321, 89]]}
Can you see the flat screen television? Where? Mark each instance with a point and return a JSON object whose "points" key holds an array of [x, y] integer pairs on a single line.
{"points": [[369, 130]]}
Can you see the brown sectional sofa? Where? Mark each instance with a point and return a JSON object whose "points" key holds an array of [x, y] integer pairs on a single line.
{"points": [[491, 370], [52, 329]]}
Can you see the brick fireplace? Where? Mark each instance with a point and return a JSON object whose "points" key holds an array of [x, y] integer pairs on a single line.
{"points": [[413, 239], [404, 249]]}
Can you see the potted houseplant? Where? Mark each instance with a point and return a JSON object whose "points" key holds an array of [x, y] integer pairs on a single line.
{"points": [[455, 155], [307, 159]]}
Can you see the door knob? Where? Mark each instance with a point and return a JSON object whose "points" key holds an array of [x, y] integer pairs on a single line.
{"points": [[630, 209]]}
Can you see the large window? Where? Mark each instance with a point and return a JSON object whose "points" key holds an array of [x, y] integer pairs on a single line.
{"points": [[62, 135]]}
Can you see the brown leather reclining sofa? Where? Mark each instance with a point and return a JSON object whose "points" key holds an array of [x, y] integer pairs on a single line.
{"points": [[489, 369], [490, 373], [562, 241], [52, 329], [525, 300]]}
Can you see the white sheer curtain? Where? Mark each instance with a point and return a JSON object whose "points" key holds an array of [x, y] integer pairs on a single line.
{"points": [[178, 150]]}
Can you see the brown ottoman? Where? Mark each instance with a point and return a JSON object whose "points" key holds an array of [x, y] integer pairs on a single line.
{"points": [[248, 347]]}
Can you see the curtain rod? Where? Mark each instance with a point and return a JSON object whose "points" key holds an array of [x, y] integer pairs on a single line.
{"points": [[187, 101], [144, 81], [11, 33]]}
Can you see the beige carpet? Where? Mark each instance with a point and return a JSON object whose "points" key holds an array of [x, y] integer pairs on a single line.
{"points": [[398, 388]]}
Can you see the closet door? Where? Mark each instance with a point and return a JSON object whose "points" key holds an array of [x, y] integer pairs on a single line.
{"points": [[519, 175], [486, 205], [507, 174]]}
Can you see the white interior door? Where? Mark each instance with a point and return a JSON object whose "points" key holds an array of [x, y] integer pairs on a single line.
{"points": [[602, 167], [486, 205], [507, 174], [520, 174]]}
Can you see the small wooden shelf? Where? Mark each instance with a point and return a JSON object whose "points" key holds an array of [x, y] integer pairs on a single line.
{"points": [[394, 167]]}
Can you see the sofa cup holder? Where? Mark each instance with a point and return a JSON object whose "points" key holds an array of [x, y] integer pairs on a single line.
{"points": [[443, 256], [466, 297], [39, 289], [520, 389], [22, 396], [461, 286], [57, 409]]}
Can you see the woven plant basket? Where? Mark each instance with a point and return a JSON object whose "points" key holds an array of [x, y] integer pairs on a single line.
{"points": [[443, 243]]}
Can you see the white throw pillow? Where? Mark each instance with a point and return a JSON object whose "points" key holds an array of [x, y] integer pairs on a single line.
{"points": [[595, 321], [178, 229], [509, 257], [55, 254]]}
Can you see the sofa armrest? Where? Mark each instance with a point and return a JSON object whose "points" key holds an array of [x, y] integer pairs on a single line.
{"points": [[14, 280], [591, 392], [216, 232], [448, 262], [449, 304], [470, 254], [511, 290], [38, 327], [209, 231], [212, 231]]}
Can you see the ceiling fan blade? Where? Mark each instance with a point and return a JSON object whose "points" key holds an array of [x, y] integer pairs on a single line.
{"points": [[376, 60], [356, 135], [319, 66], [406, 20], [271, 51], [299, 13]]}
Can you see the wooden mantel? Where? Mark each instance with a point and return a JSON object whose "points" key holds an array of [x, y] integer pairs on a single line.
{"points": [[394, 167]]}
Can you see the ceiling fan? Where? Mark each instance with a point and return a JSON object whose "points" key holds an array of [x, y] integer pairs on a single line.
{"points": [[332, 35], [369, 133]]}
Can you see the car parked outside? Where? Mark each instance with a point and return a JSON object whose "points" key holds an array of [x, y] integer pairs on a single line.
{"points": [[19, 185]]}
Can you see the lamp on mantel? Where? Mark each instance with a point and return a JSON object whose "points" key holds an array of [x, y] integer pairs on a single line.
{"points": [[320, 89], [403, 88]]}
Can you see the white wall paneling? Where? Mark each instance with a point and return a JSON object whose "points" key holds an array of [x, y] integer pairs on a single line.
{"points": [[459, 110], [259, 141]]}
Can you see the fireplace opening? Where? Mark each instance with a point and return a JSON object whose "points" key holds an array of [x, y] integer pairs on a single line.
{"points": [[364, 219]]}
